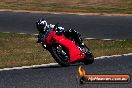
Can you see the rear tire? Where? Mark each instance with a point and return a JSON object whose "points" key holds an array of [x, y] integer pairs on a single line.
{"points": [[61, 55]]}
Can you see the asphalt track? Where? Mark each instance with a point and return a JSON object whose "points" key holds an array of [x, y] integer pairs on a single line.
{"points": [[101, 27], [65, 77]]}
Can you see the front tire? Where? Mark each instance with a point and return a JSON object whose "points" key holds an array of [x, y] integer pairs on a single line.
{"points": [[61, 55], [89, 58]]}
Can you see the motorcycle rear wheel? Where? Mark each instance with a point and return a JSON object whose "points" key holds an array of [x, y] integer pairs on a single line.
{"points": [[60, 54]]}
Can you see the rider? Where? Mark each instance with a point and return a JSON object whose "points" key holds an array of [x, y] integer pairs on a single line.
{"points": [[43, 28]]}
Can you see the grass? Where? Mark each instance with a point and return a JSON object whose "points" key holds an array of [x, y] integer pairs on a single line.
{"points": [[22, 50], [108, 6], [19, 50], [112, 47]]}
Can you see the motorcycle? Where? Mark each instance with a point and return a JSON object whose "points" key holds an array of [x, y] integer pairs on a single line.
{"points": [[64, 50]]}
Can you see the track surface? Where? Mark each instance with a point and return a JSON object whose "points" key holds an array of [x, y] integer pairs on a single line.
{"points": [[89, 26], [61, 77]]}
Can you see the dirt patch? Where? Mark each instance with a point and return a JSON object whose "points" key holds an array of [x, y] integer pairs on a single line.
{"points": [[72, 6], [77, 13]]}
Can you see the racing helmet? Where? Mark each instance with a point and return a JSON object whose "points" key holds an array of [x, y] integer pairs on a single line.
{"points": [[41, 25]]}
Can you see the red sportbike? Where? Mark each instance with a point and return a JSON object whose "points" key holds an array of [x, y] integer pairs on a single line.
{"points": [[64, 50]]}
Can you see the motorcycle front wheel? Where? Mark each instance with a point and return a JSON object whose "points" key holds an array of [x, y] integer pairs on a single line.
{"points": [[89, 58], [61, 55]]}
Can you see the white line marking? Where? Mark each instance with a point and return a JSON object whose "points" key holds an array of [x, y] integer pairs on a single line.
{"points": [[5, 32], [56, 64], [22, 33], [35, 34], [104, 57], [98, 39], [90, 38], [33, 66], [102, 39], [107, 39]]}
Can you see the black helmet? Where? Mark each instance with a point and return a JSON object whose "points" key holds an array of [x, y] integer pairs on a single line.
{"points": [[41, 25]]}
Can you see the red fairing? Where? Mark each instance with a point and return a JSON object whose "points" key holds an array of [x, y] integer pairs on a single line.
{"points": [[50, 38], [75, 53]]}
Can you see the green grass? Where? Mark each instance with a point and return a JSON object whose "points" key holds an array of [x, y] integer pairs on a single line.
{"points": [[22, 49], [108, 6]]}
